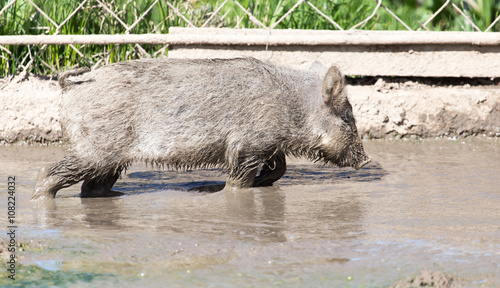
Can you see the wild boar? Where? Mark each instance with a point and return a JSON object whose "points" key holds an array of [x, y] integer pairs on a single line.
{"points": [[239, 114]]}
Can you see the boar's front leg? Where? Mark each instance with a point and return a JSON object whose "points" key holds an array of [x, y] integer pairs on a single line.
{"points": [[100, 187], [273, 169], [64, 173], [245, 180]]}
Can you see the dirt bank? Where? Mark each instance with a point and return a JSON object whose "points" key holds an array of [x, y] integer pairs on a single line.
{"points": [[411, 108], [385, 109], [30, 111]]}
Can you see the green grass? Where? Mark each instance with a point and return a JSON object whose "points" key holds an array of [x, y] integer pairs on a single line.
{"points": [[23, 19]]}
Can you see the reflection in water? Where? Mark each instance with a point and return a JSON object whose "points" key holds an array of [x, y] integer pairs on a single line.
{"points": [[343, 217], [44, 209], [102, 213], [94, 213], [258, 212], [255, 214]]}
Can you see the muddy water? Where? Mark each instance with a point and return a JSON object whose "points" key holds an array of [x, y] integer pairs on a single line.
{"points": [[430, 204]]}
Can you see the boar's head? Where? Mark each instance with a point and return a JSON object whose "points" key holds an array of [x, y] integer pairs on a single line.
{"points": [[334, 123]]}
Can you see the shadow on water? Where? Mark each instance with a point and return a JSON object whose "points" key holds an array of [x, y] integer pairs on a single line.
{"points": [[202, 180], [371, 172], [316, 174], [212, 180], [135, 188]]}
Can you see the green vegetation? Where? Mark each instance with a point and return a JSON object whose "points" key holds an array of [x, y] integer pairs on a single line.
{"points": [[33, 276], [22, 18]]}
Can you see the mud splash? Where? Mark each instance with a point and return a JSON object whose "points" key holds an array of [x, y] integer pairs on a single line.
{"points": [[420, 205]]}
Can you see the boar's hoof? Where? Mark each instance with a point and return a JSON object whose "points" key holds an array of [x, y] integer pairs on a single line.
{"points": [[100, 187]]}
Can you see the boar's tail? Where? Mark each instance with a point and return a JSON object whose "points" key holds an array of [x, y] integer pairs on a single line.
{"points": [[62, 78]]}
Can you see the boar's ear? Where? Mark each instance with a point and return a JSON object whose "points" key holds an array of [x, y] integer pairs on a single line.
{"points": [[333, 84]]}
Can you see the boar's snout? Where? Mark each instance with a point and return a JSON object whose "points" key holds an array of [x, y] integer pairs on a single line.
{"points": [[365, 160]]}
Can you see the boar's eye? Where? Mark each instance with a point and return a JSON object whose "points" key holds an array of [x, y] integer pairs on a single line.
{"points": [[347, 116], [349, 123]]}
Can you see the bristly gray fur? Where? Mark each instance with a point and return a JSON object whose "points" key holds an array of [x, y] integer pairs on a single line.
{"points": [[183, 114]]}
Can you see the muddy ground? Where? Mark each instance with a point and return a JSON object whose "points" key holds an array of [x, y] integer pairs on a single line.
{"points": [[384, 108], [424, 212]]}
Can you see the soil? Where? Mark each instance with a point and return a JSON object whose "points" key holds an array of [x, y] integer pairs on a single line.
{"points": [[384, 108], [30, 111], [427, 278]]}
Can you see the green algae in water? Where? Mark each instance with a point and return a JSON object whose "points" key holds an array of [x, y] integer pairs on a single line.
{"points": [[35, 276]]}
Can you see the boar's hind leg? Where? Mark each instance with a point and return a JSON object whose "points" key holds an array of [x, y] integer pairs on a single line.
{"points": [[70, 170], [273, 169], [100, 186]]}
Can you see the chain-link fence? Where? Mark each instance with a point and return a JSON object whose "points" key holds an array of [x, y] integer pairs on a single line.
{"points": [[126, 17]]}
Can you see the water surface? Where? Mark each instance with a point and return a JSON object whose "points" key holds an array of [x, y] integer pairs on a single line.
{"points": [[431, 204]]}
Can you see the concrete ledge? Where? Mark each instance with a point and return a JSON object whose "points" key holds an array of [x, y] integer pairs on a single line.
{"points": [[363, 53], [266, 37], [297, 37]]}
